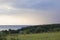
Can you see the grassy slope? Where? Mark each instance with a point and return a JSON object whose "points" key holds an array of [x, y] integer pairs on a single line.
{"points": [[41, 36]]}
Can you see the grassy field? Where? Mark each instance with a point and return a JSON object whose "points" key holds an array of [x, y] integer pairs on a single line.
{"points": [[40, 36]]}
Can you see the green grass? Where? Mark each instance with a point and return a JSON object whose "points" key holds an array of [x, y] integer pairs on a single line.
{"points": [[39, 36]]}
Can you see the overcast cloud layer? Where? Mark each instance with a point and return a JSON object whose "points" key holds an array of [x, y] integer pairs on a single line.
{"points": [[29, 12]]}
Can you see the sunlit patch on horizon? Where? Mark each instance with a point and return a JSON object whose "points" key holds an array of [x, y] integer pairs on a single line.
{"points": [[21, 20]]}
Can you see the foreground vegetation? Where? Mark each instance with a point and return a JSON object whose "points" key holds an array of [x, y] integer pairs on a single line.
{"points": [[39, 36]]}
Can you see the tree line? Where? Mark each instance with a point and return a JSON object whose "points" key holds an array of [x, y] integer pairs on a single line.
{"points": [[34, 29]]}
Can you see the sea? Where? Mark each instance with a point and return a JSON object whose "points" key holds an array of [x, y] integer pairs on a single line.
{"points": [[13, 27]]}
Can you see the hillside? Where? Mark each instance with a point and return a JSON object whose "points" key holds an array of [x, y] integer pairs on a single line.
{"points": [[41, 28]]}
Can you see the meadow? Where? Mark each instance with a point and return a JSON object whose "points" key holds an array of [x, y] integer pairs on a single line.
{"points": [[38, 36]]}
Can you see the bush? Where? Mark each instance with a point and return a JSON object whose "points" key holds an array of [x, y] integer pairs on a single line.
{"points": [[3, 38], [14, 39]]}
